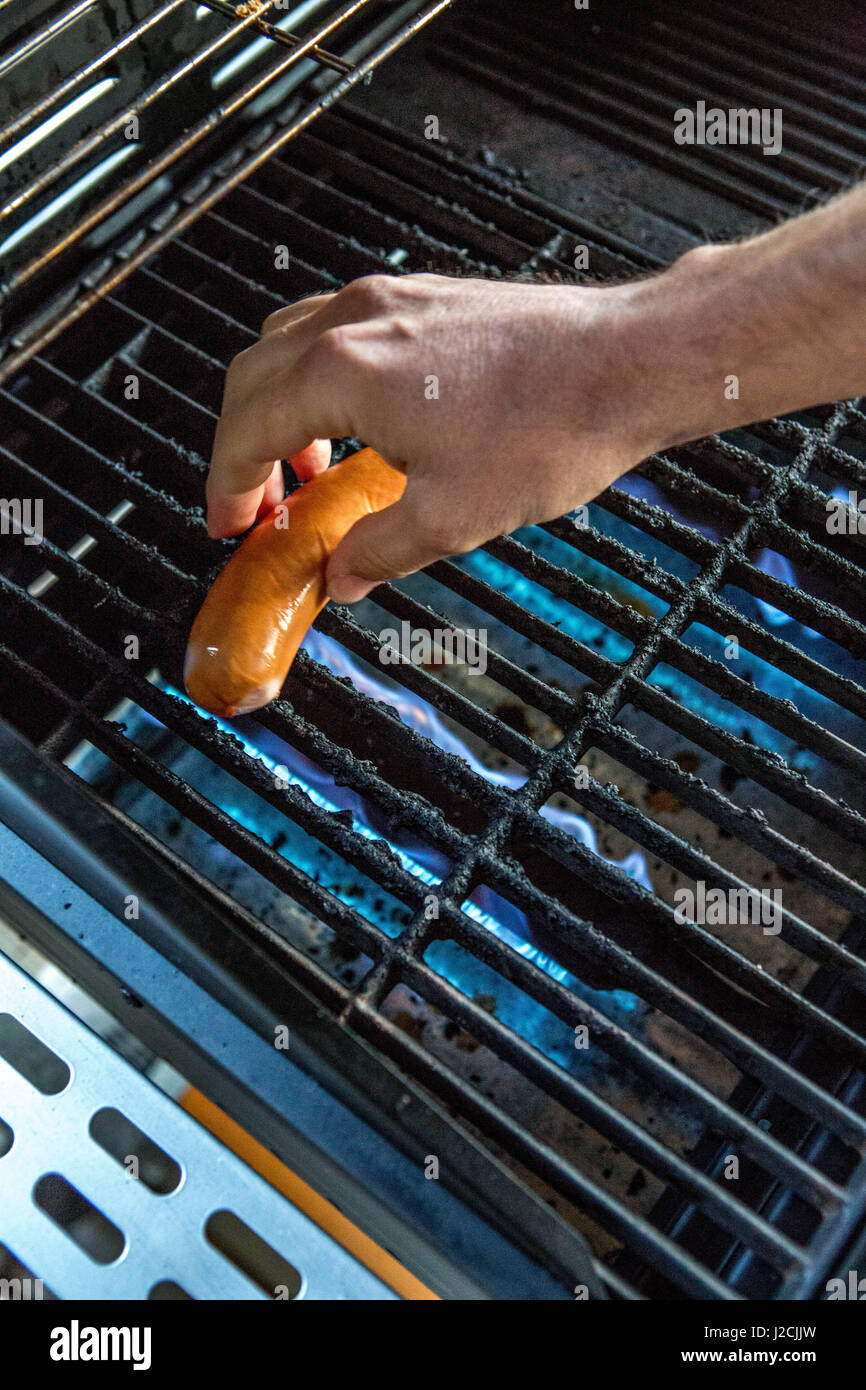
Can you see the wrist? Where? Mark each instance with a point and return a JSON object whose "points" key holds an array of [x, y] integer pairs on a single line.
{"points": [[705, 363], [740, 332]]}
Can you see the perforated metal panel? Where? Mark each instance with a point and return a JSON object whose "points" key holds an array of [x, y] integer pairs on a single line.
{"points": [[167, 1236]]}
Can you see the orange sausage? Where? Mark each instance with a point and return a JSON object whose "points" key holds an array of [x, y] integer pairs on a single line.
{"points": [[259, 608]]}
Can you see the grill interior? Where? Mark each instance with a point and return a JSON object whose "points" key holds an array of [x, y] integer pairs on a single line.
{"points": [[607, 651], [118, 116]]}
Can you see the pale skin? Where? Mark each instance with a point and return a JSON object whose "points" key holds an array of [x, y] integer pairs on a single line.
{"points": [[546, 393]]}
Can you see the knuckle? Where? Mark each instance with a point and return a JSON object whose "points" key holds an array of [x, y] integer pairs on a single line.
{"points": [[370, 292], [272, 321], [238, 371], [336, 350], [331, 348]]}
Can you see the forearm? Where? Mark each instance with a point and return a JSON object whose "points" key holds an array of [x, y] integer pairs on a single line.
{"points": [[508, 404], [783, 313]]}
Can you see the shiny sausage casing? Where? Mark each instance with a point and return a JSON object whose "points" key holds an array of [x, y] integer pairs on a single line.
{"points": [[259, 608]]}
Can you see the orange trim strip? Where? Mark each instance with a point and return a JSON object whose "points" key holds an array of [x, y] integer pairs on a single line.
{"points": [[318, 1208]]}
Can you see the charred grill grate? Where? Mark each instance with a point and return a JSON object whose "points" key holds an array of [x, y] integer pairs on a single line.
{"points": [[619, 85], [766, 1065]]}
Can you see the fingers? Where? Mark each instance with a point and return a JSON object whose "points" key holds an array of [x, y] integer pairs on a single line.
{"points": [[282, 318], [228, 514], [389, 544], [286, 396], [273, 491], [282, 416], [312, 460], [269, 410]]}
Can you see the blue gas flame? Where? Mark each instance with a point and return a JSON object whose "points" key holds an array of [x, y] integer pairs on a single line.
{"points": [[423, 861]]}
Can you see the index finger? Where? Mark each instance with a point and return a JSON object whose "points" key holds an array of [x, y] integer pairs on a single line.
{"points": [[237, 483]]}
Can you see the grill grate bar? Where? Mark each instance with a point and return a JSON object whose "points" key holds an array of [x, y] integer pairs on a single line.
{"points": [[443, 698], [655, 1069], [413, 747], [172, 515], [208, 820], [719, 614], [348, 210], [648, 983], [608, 90], [762, 767], [588, 91], [490, 843], [254, 851], [616, 556], [770, 708], [528, 624], [816, 129], [839, 625], [851, 469], [754, 1140], [743, 464], [602, 117], [779, 653], [699, 865], [323, 985], [213, 220], [661, 525], [722, 999], [248, 207], [809, 505], [98, 138], [396, 149], [808, 62], [582, 1101], [210, 366], [684, 482], [717, 808], [639, 1235], [280, 36], [514, 678], [401, 153], [570, 587], [39, 109], [700, 1020], [118, 543], [171, 226], [792, 1008], [603, 1117]]}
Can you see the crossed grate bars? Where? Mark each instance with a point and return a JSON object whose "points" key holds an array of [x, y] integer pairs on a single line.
{"points": [[723, 998]]}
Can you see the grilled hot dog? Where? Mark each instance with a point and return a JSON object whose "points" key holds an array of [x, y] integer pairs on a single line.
{"points": [[260, 606]]}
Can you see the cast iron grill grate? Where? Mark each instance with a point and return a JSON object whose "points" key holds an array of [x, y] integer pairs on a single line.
{"points": [[631, 66], [767, 1065]]}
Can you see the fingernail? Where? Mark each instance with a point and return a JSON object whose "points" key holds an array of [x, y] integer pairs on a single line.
{"points": [[348, 588]]}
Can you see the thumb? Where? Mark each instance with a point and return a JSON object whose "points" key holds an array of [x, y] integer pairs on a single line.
{"points": [[384, 545]]}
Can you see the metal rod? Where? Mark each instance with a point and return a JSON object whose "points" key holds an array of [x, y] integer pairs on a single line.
{"points": [[185, 219], [280, 36], [41, 36], [41, 107], [98, 137]]}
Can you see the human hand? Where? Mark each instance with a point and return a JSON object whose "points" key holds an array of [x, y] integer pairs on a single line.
{"points": [[505, 403]]}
